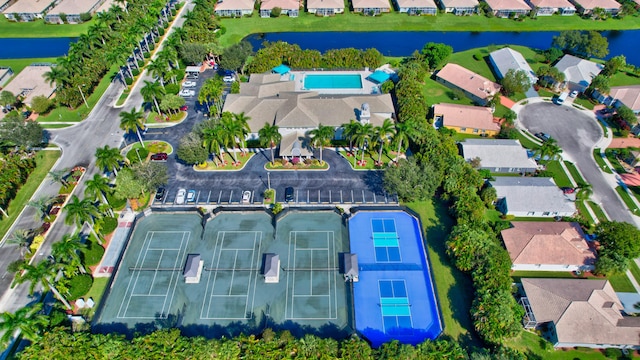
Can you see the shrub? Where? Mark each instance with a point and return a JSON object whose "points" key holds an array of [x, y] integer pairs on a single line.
{"points": [[93, 254], [268, 194], [63, 17], [116, 203], [84, 17], [128, 81], [173, 12], [477, 56], [135, 72], [276, 208], [160, 31], [79, 286], [109, 225], [275, 12], [180, 76], [147, 55], [172, 89], [41, 104], [612, 353], [132, 155]]}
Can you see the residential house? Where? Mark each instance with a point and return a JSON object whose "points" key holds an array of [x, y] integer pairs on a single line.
{"points": [[550, 7], [234, 8], [507, 59], [585, 7], [508, 8], [266, 98], [287, 7], [459, 7], [579, 313], [476, 87], [295, 145], [628, 96], [417, 7], [27, 10], [531, 196], [72, 10], [325, 7], [499, 155], [548, 246], [5, 74], [371, 7], [465, 119], [4, 4], [30, 82], [578, 73]]}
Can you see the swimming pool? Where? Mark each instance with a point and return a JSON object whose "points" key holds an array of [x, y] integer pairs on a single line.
{"points": [[333, 81], [394, 297]]}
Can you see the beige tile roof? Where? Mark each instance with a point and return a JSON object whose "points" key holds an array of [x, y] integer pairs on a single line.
{"points": [[282, 4], [556, 4], [476, 117], [508, 5], [547, 243], [628, 95], [235, 5], [297, 140], [361, 4], [460, 3], [416, 3], [327, 4], [583, 311], [469, 81], [31, 82], [591, 4], [71, 7], [28, 7]]}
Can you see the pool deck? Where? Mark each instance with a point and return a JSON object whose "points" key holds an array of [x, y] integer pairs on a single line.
{"points": [[368, 87]]}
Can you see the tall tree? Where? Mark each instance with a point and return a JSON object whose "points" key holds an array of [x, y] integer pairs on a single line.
{"points": [[80, 212], [41, 206], [108, 158], [515, 82], [401, 136], [383, 134], [132, 121], [22, 238], [42, 273], [349, 130], [270, 136], [549, 150], [151, 91], [321, 137], [28, 320], [68, 250]]}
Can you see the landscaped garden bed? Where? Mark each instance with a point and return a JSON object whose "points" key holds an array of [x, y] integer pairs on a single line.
{"points": [[227, 163], [297, 164]]}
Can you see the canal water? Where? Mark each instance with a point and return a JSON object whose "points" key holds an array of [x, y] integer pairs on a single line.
{"points": [[11, 48]]}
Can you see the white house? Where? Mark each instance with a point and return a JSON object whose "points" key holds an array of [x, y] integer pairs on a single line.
{"points": [[499, 155], [531, 197], [578, 73]]}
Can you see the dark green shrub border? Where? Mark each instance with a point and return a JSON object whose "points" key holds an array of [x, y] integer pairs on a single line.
{"points": [[79, 286]]}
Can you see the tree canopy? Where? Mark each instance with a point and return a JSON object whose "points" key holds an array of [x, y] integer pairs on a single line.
{"points": [[619, 244], [582, 43], [515, 82]]}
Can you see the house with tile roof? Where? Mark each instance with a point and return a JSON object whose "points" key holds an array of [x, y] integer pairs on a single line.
{"points": [[507, 8], [465, 119], [5, 74], [507, 59], [499, 155], [531, 197], [234, 8], [325, 7], [371, 7], [459, 7], [27, 10], [578, 73], [628, 96], [417, 7], [548, 246], [585, 7], [287, 7], [30, 83], [72, 9], [578, 312], [550, 7], [475, 86]]}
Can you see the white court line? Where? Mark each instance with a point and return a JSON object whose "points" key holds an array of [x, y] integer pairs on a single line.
{"points": [[146, 239], [174, 279]]}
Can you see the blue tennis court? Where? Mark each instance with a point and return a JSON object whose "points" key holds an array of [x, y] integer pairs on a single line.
{"points": [[394, 297]]}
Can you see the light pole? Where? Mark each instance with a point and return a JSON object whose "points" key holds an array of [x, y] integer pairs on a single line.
{"points": [[137, 149], [82, 94], [269, 180]]}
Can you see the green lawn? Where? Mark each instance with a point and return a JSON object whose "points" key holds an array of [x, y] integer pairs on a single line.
{"points": [[536, 347], [600, 161], [582, 209], [526, 142], [236, 29], [369, 157], [18, 64], [39, 29], [96, 292], [574, 172], [628, 201], [436, 93], [454, 289], [635, 270], [559, 175], [621, 283], [611, 155], [598, 211], [45, 160], [622, 78]]}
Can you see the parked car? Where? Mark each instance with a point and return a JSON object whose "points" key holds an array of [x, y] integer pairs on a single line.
{"points": [[188, 84], [191, 196], [246, 196], [159, 157], [184, 108], [559, 100], [229, 78], [568, 190], [160, 194], [288, 194], [542, 136], [182, 193], [187, 93], [574, 93]]}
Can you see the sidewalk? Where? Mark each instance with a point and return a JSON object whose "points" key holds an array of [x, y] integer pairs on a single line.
{"points": [[116, 245]]}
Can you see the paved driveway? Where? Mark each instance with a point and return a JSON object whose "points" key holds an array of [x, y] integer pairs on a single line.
{"points": [[577, 132]]}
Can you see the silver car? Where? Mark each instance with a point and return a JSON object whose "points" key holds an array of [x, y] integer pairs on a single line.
{"points": [[187, 93], [182, 193], [188, 84]]}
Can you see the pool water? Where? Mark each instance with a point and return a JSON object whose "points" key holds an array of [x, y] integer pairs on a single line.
{"points": [[333, 81]]}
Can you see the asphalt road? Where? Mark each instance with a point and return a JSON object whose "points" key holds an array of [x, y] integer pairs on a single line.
{"points": [[577, 132]]}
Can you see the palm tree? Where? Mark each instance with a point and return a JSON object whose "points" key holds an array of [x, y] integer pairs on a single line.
{"points": [[28, 320], [68, 250], [243, 129], [108, 158], [401, 136], [362, 138], [132, 121], [549, 150], [41, 273], [57, 75], [151, 91], [41, 206], [320, 137], [22, 238], [383, 134], [158, 68], [80, 212], [97, 187], [585, 191], [59, 176], [270, 136], [213, 139], [349, 130]]}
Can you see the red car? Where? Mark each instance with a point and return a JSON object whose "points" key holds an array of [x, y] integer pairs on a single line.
{"points": [[159, 157], [184, 108], [568, 190]]}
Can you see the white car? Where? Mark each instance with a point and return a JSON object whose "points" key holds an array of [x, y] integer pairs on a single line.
{"points": [[574, 93], [246, 197], [182, 193], [188, 84], [229, 78], [187, 93]]}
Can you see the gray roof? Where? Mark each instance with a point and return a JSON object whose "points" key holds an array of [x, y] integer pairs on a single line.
{"points": [[525, 194], [350, 262], [497, 153], [271, 263], [507, 58], [191, 265], [578, 71], [295, 144]]}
